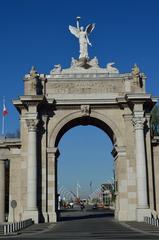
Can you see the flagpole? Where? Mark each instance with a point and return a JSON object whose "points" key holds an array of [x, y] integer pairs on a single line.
{"points": [[77, 190], [90, 186], [2, 125], [3, 117]]}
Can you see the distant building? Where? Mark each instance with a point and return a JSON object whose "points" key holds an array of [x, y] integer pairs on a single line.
{"points": [[107, 193]]}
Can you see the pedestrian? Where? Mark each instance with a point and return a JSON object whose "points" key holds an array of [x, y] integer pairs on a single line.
{"points": [[82, 206]]}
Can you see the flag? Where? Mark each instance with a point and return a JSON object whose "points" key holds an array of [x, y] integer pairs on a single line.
{"points": [[5, 112]]}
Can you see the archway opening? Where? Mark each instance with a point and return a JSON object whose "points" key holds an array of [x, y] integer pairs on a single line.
{"points": [[85, 167]]}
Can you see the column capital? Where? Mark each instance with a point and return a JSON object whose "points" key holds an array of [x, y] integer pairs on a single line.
{"points": [[138, 123], [32, 124], [138, 114]]}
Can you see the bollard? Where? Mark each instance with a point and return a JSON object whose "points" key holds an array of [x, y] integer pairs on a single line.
{"points": [[20, 224], [10, 228], [151, 221], [5, 229], [15, 226]]}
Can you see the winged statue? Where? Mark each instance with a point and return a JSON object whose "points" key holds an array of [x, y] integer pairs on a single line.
{"points": [[82, 35]]}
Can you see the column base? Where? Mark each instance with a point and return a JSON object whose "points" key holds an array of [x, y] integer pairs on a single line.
{"points": [[45, 216], [31, 214], [141, 213], [2, 216], [52, 217]]}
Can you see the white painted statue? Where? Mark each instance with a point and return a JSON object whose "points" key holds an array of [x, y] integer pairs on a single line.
{"points": [[57, 69], [111, 69], [82, 34]]}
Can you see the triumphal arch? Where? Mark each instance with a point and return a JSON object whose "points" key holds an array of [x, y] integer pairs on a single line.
{"points": [[83, 94]]}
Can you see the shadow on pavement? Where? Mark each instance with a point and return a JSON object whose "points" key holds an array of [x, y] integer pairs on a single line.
{"points": [[70, 215]]}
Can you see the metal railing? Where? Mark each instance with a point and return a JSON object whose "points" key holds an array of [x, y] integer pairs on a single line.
{"points": [[152, 221], [9, 228]]}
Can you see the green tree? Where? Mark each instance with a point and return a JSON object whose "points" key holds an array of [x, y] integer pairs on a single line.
{"points": [[155, 120]]}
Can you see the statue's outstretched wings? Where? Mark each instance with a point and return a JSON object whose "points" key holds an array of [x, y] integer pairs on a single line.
{"points": [[90, 28], [75, 31]]}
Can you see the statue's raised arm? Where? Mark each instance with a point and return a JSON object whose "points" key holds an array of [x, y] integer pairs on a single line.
{"points": [[82, 34]]}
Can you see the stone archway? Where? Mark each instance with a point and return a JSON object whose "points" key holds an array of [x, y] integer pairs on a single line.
{"points": [[84, 94], [78, 118], [75, 119]]}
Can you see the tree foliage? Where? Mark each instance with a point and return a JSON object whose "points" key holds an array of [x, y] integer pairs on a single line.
{"points": [[155, 120]]}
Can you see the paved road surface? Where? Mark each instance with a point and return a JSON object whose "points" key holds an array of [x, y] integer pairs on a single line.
{"points": [[91, 225]]}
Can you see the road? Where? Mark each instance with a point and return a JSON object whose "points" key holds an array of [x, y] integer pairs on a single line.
{"points": [[89, 224]]}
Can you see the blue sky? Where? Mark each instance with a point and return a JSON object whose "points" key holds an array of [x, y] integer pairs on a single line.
{"points": [[35, 32]]}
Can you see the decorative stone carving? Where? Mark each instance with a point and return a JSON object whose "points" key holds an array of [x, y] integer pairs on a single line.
{"points": [[84, 63], [33, 78], [137, 75], [34, 81], [33, 73], [32, 124], [85, 110], [78, 63], [73, 62], [88, 66], [135, 71], [111, 69], [138, 123], [94, 62], [57, 69]]}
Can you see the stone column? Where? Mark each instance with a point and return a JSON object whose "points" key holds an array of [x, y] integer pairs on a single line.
{"points": [[121, 202], [2, 191], [31, 210], [45, 120], [150, 164], [52, 154], [142, 201]]}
